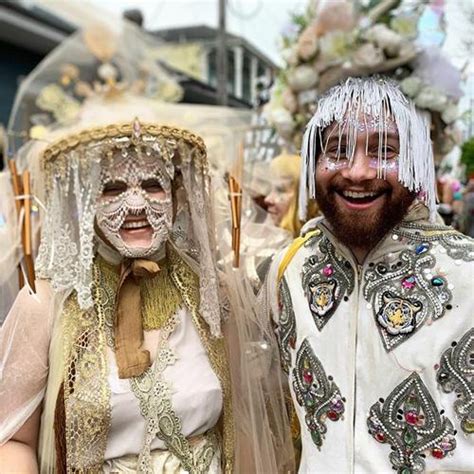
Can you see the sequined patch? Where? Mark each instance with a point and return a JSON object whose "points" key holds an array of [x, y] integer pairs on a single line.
{"points": [[410, 423], [316, 393], [406, 293], [327, 279], [456, 373], [286, 330]]}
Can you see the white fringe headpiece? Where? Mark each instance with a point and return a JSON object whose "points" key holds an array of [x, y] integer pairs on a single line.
{"points": [[381, 100]]}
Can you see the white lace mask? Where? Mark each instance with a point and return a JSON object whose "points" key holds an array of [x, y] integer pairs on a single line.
{"points": [[135, 210]]}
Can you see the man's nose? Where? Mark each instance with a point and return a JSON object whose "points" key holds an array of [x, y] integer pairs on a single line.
{"points": [[360, 169]]}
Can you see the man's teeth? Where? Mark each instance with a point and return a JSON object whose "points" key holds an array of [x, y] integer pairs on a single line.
{"points": [[134, 224], [358, 195]]}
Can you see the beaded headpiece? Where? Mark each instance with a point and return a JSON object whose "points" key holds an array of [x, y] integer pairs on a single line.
{"points": [[380, 101]]}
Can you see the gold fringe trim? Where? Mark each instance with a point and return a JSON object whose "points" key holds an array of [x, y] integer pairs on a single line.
{"points": [[159, 296]]}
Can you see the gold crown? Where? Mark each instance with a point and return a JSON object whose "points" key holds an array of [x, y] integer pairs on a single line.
{"points": [[136, 132]]}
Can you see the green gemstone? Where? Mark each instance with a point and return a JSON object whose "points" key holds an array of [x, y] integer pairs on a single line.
{"points": [[405, 470], [409, 437], [316, 437], [468, 426], [436, 281]]}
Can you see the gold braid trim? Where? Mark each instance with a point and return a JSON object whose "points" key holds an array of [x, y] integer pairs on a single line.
{"points": [[188, 284], [125, 130]]}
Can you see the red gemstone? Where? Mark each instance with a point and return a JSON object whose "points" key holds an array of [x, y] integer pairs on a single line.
{"points": [[307, 377], [380, 437], [332, 415], [438, 453], [411, 418]]}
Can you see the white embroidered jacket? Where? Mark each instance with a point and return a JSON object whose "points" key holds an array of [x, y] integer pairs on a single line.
{"points": [[380, 356]]}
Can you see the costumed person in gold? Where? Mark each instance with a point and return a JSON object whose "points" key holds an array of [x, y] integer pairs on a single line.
{"points": [[130, 356]]}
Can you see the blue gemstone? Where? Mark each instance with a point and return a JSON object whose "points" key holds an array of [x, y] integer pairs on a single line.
{"points": [[421, 248], [437, 281]]}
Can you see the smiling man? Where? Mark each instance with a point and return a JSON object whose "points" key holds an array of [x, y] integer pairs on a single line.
{"points": [[372, 304]]}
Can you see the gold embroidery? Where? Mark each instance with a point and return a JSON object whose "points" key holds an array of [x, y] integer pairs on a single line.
{"points": [[87, 394], [86, 391], [160, 297]]}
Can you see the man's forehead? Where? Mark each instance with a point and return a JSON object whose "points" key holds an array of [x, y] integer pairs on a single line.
{"points": [[362, 123]]}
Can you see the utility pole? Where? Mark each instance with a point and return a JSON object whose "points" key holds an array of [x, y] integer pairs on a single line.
{"points": [[221, 57]]}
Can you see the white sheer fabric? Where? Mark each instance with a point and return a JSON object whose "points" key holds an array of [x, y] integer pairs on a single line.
{"points": [[24, 349], [24, 345]]}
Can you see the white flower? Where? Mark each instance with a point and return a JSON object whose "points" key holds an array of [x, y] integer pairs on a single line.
{"points": [[289, 101], [282, 120], [431, 99], [368, 56], [290, 56], [302, 78], [385, 38], [450, 113], [307, 43], [411, 86], [334, 47]]}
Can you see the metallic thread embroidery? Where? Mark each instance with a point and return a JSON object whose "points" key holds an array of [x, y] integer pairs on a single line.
{"points": [[458, 246], [327, 278], [286, 329], [405, 294], [409, 421], [86, 391], [456, 373], [316, 393]]}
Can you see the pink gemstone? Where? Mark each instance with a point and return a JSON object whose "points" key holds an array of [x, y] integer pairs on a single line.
{"points": [[136, 128], [411, 418], [308, 377], [409, 282], [328, 270]]}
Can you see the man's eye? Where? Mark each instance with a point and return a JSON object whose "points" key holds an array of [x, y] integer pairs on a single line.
{"points": [[114, 188], [152, 186], [386, 151]]}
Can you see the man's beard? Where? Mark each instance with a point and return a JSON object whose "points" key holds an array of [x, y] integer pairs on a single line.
{"points": [[364, 229]]}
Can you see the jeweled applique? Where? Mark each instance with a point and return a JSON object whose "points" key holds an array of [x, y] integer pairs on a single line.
{"points": [[286, 330], [458, 246], [456, 373], [316, 393], [409, 421], [327, 278], [405, 293]]}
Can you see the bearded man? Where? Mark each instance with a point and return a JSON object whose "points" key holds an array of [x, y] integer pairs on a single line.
{"points": [[372, 304]]}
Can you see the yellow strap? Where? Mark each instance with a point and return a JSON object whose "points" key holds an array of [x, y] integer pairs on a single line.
{"points": [[290, 253]]}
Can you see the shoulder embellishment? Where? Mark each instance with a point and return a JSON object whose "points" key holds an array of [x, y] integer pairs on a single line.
{"points": [[327, 279], [405, 293]]}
